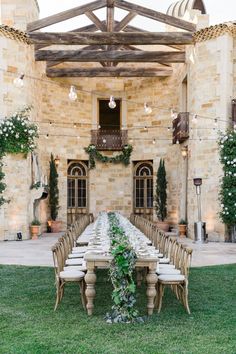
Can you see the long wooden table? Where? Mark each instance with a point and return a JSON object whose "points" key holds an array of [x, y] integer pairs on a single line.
{"points": [[95, 261]]}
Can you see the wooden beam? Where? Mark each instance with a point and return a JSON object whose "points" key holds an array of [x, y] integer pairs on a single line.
{"points": [[108, 72], [122, 56], [100, 26], [123, 23], [65, 15], [155, 15], [112, 38]]}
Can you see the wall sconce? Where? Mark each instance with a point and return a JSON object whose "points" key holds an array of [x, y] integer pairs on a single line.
{"points": [[57, 161], [184, 151]]}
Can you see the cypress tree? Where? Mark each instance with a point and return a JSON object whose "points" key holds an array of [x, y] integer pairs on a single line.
{"points": [[53, 189], [161, 195]]}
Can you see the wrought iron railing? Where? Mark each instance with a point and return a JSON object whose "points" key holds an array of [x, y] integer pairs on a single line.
{"points": [[109, 139], [181, 128]]}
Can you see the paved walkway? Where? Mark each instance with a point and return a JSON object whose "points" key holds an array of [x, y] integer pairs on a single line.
{"points": [[38, 252]]}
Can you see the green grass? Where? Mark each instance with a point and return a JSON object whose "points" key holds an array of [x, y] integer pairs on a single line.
{"points": [[28, 324]]}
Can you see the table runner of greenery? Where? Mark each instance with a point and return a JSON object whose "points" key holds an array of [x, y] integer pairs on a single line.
{"points": [[121, 274]]}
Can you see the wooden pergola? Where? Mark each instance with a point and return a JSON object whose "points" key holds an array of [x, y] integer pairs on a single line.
{"points": [[108, 43]]}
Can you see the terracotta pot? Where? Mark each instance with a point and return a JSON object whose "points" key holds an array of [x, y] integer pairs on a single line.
{"points": [[34, 230], [182, 230], [55, 225], [163, 225]]}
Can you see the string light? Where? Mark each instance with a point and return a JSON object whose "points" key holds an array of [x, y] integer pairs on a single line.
{"points": [[173, 114], [147, 108], [72, 94], [75, 126], [154, 141], [19, 81], [112, 103]]}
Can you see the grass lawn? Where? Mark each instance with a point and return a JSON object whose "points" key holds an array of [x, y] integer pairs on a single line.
{"points": [[28, 324]]}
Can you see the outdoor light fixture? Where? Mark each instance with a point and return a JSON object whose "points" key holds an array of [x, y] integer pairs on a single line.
{"points": [[147, 108], [154, 141], [194, 119], [174, 114], [104, 141], [112, 103], [18, 81], [57, 161], [184, 151], [72, 94], [199, 226], [19, 236]]}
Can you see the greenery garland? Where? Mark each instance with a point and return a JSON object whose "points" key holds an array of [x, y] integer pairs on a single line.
{"points": [[227, 196], [94, 154], [17, 135], [121, 274]]}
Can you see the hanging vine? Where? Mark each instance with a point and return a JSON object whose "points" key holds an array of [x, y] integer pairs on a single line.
{"points": [[94, 155], [17, 135]]}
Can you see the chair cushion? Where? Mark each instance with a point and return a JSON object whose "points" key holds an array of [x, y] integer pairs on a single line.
{"points": [[168, 271], [166, 266], [160, 255], [164, 260], [78, 252], [74, 261], [80, 249], [171, 278], [76, 255], [72, 275], [82, 268]]}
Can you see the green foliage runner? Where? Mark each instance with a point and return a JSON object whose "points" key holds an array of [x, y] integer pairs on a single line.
{"points": [[94, 154], [227, 146], [161, 195], [121, 274], [17, 135]]}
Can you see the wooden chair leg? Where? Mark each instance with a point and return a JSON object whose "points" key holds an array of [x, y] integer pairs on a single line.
{"points": [[82, 293], [160, 295], [185, 298], [58, 295]]}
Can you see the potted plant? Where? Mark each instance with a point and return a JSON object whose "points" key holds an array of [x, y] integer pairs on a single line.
{"points": [[161, 197], [182, 227], [54, 196], [34, 229]]}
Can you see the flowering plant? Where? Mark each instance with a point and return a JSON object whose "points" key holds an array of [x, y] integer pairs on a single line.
{"points": [[17, 135], [227, 146]]}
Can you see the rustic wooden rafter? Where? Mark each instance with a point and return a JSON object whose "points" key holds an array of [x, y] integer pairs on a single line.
{"points": [[155, 15], [120, 26], [107, 72], [65, 15], [112, 38], [116, 56], [100, 26]]}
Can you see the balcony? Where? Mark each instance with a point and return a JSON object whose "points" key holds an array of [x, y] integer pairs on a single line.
{"points": [[112, 140], [181, 128]]}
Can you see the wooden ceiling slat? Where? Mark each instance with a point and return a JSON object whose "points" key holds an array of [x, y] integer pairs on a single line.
{"points": [[107, 72], [112, 38], [97, 56]]}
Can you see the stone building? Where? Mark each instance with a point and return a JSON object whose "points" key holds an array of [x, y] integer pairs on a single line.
{"points": [[202, 87]]}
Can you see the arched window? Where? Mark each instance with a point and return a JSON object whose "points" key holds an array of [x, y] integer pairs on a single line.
{"points": [[143, 187], [77, 189]]}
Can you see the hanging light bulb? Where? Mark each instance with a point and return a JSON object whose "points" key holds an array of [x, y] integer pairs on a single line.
{"points": [[99, 126], [47, 136], [168, 129], [194, 120], [154, 141], [104, 141], [75, 126], [215, 122], [72, 94], [147, 108], [112, 103], [18, 81]]}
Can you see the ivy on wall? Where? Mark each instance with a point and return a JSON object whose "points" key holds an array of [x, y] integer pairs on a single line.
{"points": [[227, 196], [17, 135], [94, 155]]}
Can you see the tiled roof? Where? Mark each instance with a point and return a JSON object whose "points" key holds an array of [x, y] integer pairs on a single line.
{"points": [[212, 32], [12, 33]]}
